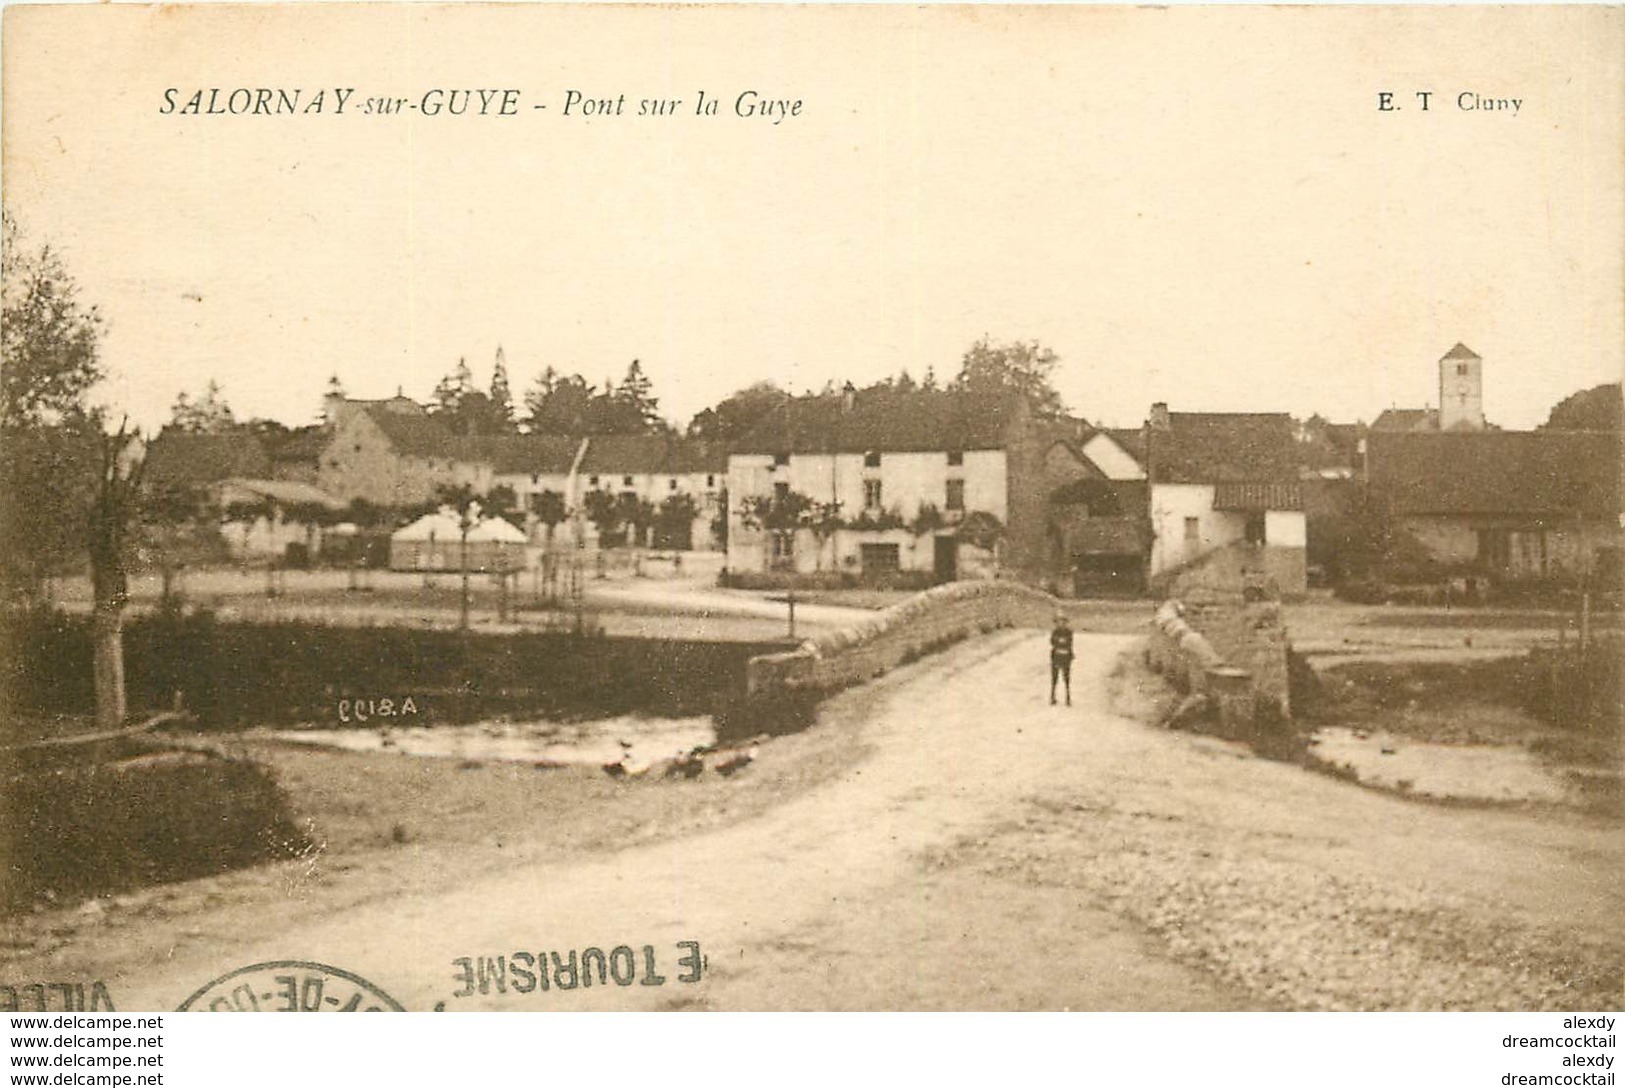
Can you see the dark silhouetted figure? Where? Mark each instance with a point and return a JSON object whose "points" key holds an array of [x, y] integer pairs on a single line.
{"points": [[1060, 658]]}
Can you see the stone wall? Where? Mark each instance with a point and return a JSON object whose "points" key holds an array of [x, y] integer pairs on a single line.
{"points": [[900, 634], [1219, 615]]}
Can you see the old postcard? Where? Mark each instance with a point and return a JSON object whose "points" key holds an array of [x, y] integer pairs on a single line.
{"points": [[541, 508]]}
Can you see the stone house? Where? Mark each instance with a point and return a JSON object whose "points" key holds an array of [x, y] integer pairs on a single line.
{"points": [[1509, 504], [393, 453]]}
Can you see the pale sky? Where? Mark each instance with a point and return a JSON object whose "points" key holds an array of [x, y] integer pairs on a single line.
{"points": [[1202, 206]]}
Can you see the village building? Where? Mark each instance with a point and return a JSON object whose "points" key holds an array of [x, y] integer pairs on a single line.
{"points": [[228, 477], [393, 453], [1226, 481], [1502, 504], [1461, 399], [924, 482], [1098, 531], [1505, 504]]}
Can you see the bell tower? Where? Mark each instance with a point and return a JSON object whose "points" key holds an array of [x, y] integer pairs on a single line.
{"points": [[1461, 390]]}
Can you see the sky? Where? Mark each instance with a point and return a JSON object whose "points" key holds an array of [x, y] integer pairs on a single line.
{"points": [[1203, 206]]}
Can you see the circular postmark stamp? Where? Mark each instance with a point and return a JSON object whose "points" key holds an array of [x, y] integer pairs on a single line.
{"points": [[290, 986]]}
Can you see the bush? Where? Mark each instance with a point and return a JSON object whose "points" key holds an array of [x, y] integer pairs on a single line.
{"points": [[1574, 689], [112, 827], [233, 674]]}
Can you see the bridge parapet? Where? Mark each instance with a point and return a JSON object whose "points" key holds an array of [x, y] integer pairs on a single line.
{"points": [[900, 634]]}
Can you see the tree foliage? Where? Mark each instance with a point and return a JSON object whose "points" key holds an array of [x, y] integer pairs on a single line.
{"points": [[1596, 409], [737, 414], [569, 404], [48, 338], [208, 414], [1023, 367]]}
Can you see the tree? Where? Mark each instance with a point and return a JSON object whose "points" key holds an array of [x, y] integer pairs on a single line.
{"points": [[824, 519], [639, 514], [1595, 409], [501, 397], [639, 405], [47, 483], [48, 339], [209, 414], [465, 503], [179, 525], [1021, 367], [781, 515], [559, 403], [112, 512], [550, 509], [605, 512], [738, 414], [927, 519], [674, 522]]}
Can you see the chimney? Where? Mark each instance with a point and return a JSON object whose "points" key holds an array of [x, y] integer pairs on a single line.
{"points": [[1159, 416], [849, 397]]}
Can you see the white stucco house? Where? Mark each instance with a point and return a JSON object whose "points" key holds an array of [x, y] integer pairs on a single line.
{"points": [[886, 481], [1225, 480]]}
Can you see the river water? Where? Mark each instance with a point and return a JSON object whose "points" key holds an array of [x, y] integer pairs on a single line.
{"points": [[630, 740]]}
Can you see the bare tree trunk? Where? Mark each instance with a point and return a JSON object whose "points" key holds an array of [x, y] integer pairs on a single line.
{"points": [[110, 518], [107, 627]]}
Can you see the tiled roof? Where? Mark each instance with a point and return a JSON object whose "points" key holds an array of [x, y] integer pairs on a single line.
{"points": [[1249, 496], [522, 454], [302, 445], [1224, 447], [182, 459], [1552, 474], [414, 435], [885, 420], [637, 454], [1406, 419]]}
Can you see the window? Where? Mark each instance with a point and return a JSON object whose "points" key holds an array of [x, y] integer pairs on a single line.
{"points": [[784, 548], [673, 486], [880, 558], [710, 480], [626, 481], [592, 481], [781, 491], [871, 494], [1193, 530], [956, 495], [780, 460], [871, 459], [1461, 370], [956, 458]]}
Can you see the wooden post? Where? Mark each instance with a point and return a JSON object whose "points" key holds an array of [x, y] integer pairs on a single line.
{"points": [[791, 598]]}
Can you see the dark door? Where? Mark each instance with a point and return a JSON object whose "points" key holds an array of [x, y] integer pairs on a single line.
{"points": [[946, 559]]}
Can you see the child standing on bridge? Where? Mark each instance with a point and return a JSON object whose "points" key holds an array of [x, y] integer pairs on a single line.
{"points": [[1060, 657]]}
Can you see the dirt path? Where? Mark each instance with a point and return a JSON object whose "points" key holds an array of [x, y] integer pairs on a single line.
{"points": [[994, 852]]}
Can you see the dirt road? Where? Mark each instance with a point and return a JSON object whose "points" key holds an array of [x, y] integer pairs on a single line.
{"points": [[994, 852]]}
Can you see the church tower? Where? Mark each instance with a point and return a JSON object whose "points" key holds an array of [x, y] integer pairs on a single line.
{"points": [[1461, 390]]}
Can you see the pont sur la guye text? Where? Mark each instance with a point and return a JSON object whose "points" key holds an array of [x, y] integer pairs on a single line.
{"points": [[759, 106]]}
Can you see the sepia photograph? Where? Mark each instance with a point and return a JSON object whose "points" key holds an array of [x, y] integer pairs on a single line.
{"points": [[540, 508]]}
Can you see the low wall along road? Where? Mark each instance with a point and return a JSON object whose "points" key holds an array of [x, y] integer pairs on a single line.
{"points": [[900, 634]]}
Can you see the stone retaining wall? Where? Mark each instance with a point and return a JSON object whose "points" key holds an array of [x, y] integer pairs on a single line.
{"points": [[902, 633], [1189, 640]]}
